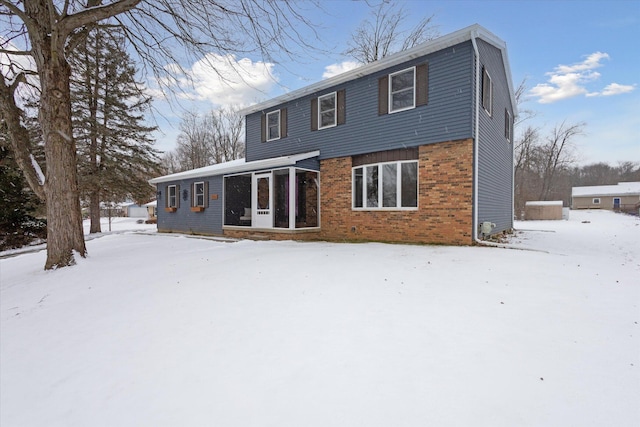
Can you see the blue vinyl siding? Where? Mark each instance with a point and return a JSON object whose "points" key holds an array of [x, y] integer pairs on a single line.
{"points": [[495, 154], [185, 221], [446, 117]]}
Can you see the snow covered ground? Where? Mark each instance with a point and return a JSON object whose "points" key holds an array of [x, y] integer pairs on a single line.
{"points": [[168, 330]]}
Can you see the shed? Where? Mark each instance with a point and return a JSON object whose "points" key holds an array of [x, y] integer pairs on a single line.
{"points": [[536, 210]]}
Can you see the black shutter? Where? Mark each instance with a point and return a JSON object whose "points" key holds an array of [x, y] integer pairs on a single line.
{"points": [[342, 116], [206, 194], [263, 128], [314, 114], [383, 95], [177, 196], [422, 84], [283, 122]]}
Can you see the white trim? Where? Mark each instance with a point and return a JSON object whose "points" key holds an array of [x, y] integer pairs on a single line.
{"points": [[490, 110], [195, 195], [175, 195], [335, 110], [390, 100], [469, 33], [266, 124], [236, 166], [363, 190]]}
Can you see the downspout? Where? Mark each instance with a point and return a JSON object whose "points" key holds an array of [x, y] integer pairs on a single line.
{"points": [[476, 139]]}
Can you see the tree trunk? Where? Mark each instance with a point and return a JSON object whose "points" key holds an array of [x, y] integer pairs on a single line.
{"points": [[94, 212], [64, 217]]}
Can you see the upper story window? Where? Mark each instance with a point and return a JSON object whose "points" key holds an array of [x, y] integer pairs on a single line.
{"points": [[273, 125], [390, 185], [487, 92], [402, 90], [508, 125], [198, 194], [327, 111]]}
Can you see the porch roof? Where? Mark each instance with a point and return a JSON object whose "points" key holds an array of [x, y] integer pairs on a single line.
{"points": [[236, 166]]}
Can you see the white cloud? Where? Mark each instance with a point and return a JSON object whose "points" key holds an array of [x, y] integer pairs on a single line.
{"points": [[568, 81], [342, 67], [614, 89], [221, 80]]}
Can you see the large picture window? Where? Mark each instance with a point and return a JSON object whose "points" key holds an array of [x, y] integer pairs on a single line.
{"points": [[391, 185], [401, 90]]}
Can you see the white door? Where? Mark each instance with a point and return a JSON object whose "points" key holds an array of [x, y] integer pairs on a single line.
{"points": [[262, 201]]}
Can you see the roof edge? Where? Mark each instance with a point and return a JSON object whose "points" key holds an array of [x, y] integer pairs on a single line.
{"points": [[235, 166], [451, 39]]}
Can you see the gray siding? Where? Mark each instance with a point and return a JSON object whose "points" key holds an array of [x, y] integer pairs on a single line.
{"points": [[448, 115], [185, 221], [495, 154]]}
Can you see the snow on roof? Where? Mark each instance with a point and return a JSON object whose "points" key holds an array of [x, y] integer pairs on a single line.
{"points": [[469, 33], [154, 203], [544, 203], [235, 166], [621, 189]]}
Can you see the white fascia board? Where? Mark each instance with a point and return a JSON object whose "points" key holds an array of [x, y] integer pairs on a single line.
{"points": [[422, 49], [236, 166]]}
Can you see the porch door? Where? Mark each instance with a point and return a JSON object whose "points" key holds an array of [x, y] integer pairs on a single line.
{"points": [[262, 201], [616, 203]]}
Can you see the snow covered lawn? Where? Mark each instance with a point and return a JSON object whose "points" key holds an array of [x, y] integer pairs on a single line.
{"points": [[168, 330]]}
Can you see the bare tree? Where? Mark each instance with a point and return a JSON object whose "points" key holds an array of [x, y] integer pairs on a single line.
{"points": [[162, 32], [558, 154], [193, 148], [216, 137], [383, 35]]}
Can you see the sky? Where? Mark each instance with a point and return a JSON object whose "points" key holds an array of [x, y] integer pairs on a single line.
{"points": [[579, 58]]}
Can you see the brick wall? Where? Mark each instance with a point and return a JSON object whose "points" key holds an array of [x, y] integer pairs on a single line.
{"points": [[444, 212]]}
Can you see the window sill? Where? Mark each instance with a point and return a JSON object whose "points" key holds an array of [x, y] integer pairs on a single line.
{"points": [[170, 209], [197, 208]]}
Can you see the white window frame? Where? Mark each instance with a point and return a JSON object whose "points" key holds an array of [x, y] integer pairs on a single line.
{"points": [[175, 197], [335, 110], [508, 130], [490, 94], [596, 200], [391, 93], [363, 189], [196, 195], [268, 127]]}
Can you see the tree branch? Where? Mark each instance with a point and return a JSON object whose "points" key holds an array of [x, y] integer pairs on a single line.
{"points": [[18, 134]]}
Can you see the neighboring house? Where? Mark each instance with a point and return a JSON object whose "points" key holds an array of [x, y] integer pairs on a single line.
{"points": [[152, 209], [625, 196], [134, 210], [416, 147]]}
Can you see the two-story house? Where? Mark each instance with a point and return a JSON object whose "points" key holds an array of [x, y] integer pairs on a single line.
{"points": [[416, 147]]}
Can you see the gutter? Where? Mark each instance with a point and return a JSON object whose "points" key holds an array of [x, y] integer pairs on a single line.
{"points": [[476, 140]]}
